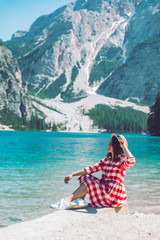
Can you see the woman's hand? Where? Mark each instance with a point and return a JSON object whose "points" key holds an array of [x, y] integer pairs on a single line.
{"points": [[78, 173], [125, 149], [67, 178], [122, 144]]}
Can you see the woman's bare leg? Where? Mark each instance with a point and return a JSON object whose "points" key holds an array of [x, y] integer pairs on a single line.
{"points": [[80, 192]]}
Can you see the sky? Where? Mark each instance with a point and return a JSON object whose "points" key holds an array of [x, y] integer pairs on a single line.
{"points": [[20, 14]]}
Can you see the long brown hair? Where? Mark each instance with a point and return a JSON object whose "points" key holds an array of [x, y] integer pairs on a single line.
{"points": [[118, 152]]}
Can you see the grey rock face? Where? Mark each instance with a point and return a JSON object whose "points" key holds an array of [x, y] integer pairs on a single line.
{"points": [[70, 37], [144, 23], [140, 75], [92, 42], [13, 95], [18, 34]]}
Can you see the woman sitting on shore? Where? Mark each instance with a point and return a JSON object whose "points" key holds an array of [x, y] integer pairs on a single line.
{"points": [[109, 191]]}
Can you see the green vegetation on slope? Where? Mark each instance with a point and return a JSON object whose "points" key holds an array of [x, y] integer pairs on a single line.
{"points": [[10, 119], [107, 61], [154, 118], [118, 119], [55, 88]]}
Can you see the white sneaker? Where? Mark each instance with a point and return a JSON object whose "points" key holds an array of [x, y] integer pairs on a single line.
{"points": [[78, 203], [62, 204]]}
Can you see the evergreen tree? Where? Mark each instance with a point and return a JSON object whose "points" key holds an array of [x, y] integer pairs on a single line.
{"points": [[154, 118], [54, 127], [118, 119], [32, 124]]}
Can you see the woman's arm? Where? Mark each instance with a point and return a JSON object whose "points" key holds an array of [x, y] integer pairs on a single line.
{"points": [[78, 173], [130, 159], [95, 168], [125, 149]]}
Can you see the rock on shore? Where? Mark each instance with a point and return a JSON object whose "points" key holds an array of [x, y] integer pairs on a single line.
{"points": [[95, 224]]}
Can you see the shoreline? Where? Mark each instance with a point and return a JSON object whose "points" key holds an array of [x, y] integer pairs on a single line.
{"points": [[100, 131], [138, 210], [86, 224], [5, 128]]}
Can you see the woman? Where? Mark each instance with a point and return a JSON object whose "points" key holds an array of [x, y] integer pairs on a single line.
{"points": [[109, 191]]}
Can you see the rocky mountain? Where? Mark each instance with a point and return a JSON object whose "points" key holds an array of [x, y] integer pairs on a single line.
{"points": [[139, 76], [13, 92], [56, 114], [144, 24], [18, 34], [84, 50], [70, 52]]}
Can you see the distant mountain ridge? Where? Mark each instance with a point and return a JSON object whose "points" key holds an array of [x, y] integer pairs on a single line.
{"points": [[71, 51], [67, 56], [77, 49]]}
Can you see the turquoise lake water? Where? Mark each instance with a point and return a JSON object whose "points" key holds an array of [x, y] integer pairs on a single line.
{"points": [[33, 166]]}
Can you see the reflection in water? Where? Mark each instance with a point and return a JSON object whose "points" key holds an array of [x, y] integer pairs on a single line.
{"points": [[34, 164]]}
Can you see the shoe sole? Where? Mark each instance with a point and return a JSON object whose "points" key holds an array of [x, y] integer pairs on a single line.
{"points": [[77, 206]]}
